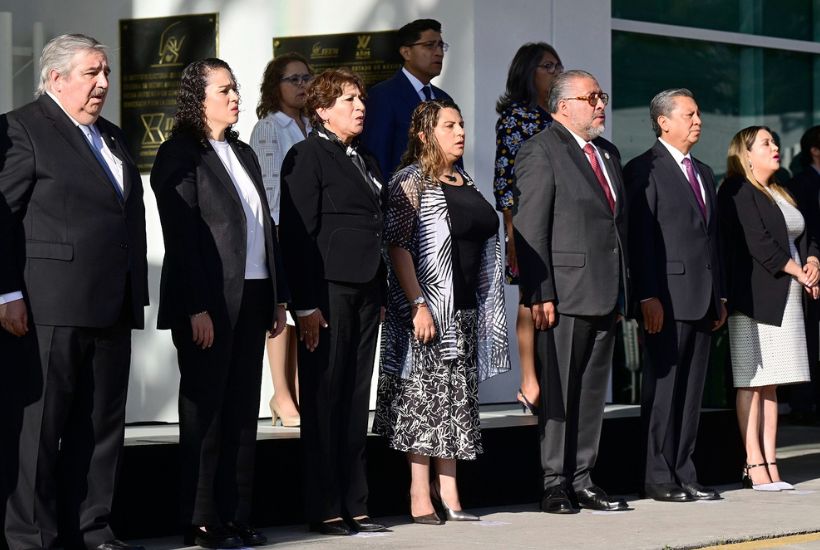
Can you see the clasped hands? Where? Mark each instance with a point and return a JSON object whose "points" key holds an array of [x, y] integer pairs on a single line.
{"points": [[810, 277]]}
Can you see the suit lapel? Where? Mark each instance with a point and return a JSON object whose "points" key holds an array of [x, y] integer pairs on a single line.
{"points": [[709, 186], [118, 151], [613, 170], [346, 166], [674, 175], [72, 134], [214, 163], [408, 92], [580, 159]]}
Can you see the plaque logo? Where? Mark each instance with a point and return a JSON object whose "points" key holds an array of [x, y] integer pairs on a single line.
{"points": [[318, 52], [363, 46], [170, 46]]}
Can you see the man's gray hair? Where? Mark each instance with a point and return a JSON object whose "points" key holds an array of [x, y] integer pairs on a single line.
{"points": [[663, 104], [58, 54], [561, 84]]}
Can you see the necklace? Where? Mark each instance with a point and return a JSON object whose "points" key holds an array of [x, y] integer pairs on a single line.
{"points": [[451, 178]]}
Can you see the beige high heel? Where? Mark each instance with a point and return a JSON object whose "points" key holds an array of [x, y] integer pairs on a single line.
{"points": [[286, 421]]}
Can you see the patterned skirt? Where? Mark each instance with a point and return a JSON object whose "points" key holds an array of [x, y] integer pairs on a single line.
{"points": [[434, 412]]}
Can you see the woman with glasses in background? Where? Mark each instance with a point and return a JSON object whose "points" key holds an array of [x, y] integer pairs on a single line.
{"points": [[522, 113], [282, 123]]}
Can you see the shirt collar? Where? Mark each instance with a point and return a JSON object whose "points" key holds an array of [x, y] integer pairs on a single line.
{"points": [[581, 141], [675, 152], [285, 120], [417, 84]]}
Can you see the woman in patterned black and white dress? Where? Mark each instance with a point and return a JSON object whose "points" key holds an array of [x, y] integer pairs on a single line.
{"points": [[445, 329], [771, 262]]}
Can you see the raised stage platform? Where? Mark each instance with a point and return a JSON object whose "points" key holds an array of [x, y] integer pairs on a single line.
{"points": [[508, 473]]}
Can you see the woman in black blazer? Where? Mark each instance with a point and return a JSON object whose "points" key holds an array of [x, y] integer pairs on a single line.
{"points": [[221, 281], [771, 261], [330, 226]]}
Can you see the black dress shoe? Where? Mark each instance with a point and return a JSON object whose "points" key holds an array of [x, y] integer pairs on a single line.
{"points": [[249, 535], [555, 500], [666, 492], [595, 498], [116, 544], [699, 492], [365, 525], [211, 536], [335, 527]]}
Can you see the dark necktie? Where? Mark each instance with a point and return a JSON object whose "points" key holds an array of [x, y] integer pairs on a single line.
{"points": [[428, 92], [693, 183], [593, 160], [94, 142]]}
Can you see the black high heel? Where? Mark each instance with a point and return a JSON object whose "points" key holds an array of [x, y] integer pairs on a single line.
{"points": [[449, 513], [426, 519], [526, 406]]}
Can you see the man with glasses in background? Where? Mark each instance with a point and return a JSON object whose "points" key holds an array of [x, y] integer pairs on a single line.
{"points": [[570, 230], [391, 103]]}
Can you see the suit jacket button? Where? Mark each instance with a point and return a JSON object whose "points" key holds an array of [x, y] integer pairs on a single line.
{"points": [[378, 234], [123, 245], [708, 266], [375, 216], [614, 250]]}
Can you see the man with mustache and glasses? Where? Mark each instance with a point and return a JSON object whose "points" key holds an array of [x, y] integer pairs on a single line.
{"points": [[678, 283], [570, 231], [72, 286], [390, 104]]}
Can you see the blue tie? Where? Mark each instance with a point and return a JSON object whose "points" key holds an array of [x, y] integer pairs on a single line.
{"points": [[94, 142], [428, 92]]}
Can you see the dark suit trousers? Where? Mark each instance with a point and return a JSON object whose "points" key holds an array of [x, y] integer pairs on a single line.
{"points": [[672, 391], [218, 410], [71, 437], [575, 360], [334, 392]]}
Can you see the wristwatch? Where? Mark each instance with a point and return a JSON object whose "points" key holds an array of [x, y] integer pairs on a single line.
{"points": [[419, 301]]}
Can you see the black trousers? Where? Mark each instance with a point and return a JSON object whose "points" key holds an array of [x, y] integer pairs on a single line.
{"points": [[671, 396], [72, 405], [575, 359], [218, 410], [334, 392]]}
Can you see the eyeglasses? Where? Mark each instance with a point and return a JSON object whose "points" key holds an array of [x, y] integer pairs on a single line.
{"points": [[297, 79], [592, 98], [552, 68], [431, 45]]}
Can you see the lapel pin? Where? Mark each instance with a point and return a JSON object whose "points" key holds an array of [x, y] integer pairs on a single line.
{"points": [[606, 155]]}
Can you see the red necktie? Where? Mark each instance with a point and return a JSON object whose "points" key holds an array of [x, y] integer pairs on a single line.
{"points": [[593, 160]]}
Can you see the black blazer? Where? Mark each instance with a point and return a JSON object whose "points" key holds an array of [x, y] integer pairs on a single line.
{"points": [[66, 239], [674, 252], [205, 232], [330, 220], [756, 246], [571, 248]]}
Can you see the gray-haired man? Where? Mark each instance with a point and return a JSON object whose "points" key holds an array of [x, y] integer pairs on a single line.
{"points": [[72, 286]]}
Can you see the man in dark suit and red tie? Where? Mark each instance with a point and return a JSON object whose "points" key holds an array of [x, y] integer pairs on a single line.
{"points": [[570, 230], [72, 286], [390, 103], [678, 280]]}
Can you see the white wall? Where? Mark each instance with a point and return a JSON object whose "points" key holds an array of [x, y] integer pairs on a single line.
{"points": [[483, 36]]}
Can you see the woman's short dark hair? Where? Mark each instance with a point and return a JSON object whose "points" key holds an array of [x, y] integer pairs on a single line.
{"points": [[190, 115], [270, 100], [521, 76], [326, 88]]}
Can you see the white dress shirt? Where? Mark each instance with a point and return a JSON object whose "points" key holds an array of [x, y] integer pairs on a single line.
{"points": [[256, 265]]}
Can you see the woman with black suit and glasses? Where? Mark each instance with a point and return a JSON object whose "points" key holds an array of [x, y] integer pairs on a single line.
{"points": [[772, 267], [331, 229], [221, 282], [446, 328]]}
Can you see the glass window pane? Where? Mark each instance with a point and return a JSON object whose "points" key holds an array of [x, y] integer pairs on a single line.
{"points": [[795, 19], [735, 86]]}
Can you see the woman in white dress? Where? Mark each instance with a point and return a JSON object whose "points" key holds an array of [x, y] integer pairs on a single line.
{"points": [[282, 123], [772, 266]]}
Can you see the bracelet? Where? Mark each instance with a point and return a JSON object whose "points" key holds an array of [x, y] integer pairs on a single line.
{"points": [[200, 314], [422, 304]]}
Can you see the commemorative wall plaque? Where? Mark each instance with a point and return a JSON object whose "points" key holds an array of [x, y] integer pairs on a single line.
{"points": [[373, 55], [153, 54]]}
